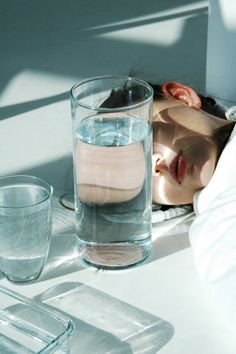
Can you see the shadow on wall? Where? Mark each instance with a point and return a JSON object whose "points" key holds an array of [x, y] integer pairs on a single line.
{"points": [[70, 38], [83, 38]]}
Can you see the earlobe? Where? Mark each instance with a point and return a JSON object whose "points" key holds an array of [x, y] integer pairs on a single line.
{"points": [[182, 93]]}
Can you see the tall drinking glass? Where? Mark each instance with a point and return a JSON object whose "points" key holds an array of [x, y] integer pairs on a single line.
{"points": [[112, 137]]}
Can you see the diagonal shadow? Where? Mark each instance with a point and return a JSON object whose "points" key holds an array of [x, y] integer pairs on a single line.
{"points": [[36, 37], [95, 31], [19, 108]]}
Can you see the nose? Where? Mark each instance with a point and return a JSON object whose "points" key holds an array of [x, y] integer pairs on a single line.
{"points": [[159, 165]]}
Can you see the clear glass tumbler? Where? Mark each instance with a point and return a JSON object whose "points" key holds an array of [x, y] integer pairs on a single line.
{"points": [[112, 135], [25, 226]]}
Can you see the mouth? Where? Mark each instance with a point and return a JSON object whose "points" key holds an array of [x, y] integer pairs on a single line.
{"points": [[177, 168]]}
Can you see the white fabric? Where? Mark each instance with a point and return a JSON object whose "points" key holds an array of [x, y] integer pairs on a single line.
{"points": [[213, 232], [162, 215]]}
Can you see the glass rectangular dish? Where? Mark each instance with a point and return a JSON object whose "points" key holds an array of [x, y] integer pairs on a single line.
{"points": [[27, 327]]}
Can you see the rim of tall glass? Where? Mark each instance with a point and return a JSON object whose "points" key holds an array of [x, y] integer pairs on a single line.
{"points": [[111, 77], [31, 178]]}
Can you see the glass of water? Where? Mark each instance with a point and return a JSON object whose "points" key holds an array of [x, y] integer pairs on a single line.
{"points": [[112, 137], [25, 226]]}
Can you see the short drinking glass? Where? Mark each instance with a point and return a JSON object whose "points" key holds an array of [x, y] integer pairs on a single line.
{"points": [[112, 135], [25, 226]]}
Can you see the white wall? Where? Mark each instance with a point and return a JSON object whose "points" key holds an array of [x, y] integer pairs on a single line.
{"points": [[47, 46], [221, 51]]}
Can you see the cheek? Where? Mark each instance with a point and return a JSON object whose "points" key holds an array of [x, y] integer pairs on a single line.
{"points": [[163, 192], [206, 172], [158, 190]]}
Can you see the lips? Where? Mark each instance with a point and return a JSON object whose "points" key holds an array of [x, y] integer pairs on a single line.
{"points": [[177, 168]]}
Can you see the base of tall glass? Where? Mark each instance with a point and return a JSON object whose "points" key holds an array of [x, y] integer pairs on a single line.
{"points": [[120, 255]]}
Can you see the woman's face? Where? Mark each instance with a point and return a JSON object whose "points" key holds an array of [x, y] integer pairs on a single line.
{"points": [[184, 156]]}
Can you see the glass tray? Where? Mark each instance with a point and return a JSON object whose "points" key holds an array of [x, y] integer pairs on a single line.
{"points": [[27, 327]]}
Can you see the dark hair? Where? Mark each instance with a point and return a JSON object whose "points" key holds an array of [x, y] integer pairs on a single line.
{"points": [[209, 105], [128, 95], [221, 136]]}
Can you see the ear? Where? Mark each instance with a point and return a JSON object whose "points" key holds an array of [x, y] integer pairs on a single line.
{"points": [[182, 93]]}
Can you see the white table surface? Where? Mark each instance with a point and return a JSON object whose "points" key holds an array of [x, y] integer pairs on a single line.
{"points": [[157, 307]]}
